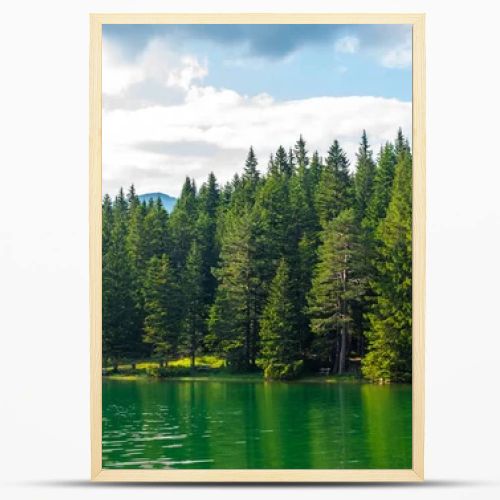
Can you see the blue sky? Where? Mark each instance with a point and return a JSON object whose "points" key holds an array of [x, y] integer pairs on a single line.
{"points": [[267, 58], [218, 81]]}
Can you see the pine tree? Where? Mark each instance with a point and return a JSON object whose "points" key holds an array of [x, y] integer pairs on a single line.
{"points": [[301, 152], [250, 178], [280, 337], [209, 196], [160, 324], [206, 234], [315, 169], [382, 185], [194, 316], [250, 172], [121, 205], [402, 147], [107, 222], [275, 233], [364, 176], [233, 323], [281, 160], [155, 231], [337, 283], [390, 340], [290, 169], [334, 191], [120, 340], [136, 248], [182, 224]]}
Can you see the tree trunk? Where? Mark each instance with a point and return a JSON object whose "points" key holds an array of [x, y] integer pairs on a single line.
{"points": [[133, 366], [343, 349], [335, 355], [343, 330]]}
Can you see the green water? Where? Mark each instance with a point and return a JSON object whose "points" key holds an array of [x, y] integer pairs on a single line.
{"points": [[255, 425]]}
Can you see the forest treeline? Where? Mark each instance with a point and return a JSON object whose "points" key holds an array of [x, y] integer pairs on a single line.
{"points": [[304, 266]]}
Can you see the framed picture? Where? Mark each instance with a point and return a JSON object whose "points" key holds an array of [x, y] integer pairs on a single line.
{"points": [[257, 247]]}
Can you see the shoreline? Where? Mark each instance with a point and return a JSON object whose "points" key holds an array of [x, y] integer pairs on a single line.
{"points": [[239, 378]]}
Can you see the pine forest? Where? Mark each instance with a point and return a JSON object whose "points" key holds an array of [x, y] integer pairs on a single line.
{"points": [[301, 264]]}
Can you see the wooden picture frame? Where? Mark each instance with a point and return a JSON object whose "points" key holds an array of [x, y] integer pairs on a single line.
{"points": [[416, 473]]}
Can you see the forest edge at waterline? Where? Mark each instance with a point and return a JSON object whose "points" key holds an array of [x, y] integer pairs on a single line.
{"points": [[304, 268]]}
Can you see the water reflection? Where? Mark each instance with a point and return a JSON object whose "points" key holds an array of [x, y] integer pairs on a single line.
{"points": [[151, 424]]}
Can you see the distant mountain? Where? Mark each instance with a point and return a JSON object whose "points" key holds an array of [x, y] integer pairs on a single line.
{"points": [[167, 201]]}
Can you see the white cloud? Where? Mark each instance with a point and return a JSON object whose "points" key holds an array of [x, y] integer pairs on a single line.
{"points": [[118, 74], [347, 45], [160, 123], [398, 57], [157, 66], [229, 123]]}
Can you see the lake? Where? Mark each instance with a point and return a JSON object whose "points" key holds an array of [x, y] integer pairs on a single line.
{"points": [[155, 424]]}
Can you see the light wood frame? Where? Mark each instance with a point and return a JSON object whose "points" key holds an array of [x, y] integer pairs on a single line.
{"points": [[416, 473]]}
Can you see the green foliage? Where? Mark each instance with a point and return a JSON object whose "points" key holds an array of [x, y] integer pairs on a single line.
{"points": [[168, 371], [160, 296], [389, 336], [284, 371], [182, 224], [382, 185], [307, 262], [120, 335], [364, 177], [334, 192], [280, 336], [337, 284], [234, 316], [194, 315]]}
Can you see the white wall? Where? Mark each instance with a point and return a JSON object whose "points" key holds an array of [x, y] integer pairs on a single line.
{"points": [[44, 440]]}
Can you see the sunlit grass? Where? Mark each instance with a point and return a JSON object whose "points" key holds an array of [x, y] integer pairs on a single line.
{"points": [[208, 361]]}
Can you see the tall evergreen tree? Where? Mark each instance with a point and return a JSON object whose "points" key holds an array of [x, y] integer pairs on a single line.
{"points": [[280, 337], [281, 160], [382, 185], [120, 341], [364, 176], [250, 178], [233, 323], [209, 196], [160, 324], [301, 152], [402, 147], [136, 248], [337, 283], [290, 163], [334, 191], [389, 337], [155, 231], [107, 222], [194, 316], [182, 224], [206, 234]]}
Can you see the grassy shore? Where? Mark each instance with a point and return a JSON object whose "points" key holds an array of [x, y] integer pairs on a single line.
{"points": [[207, 368]]}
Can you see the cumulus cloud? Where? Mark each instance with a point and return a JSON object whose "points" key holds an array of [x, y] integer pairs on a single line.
{"points": [[161, 123], [212, 130], [157, 75]]}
